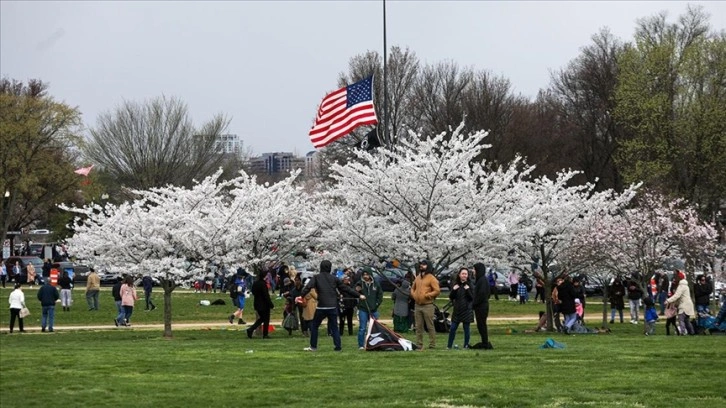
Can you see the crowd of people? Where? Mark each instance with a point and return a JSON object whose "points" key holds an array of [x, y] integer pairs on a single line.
{"points": [[339, 298]]}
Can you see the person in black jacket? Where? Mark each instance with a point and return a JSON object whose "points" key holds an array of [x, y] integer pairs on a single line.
{"points": [[327, 286], [480, 305], [262, 304], [461, 296], [634, 296], [566, 294], [702, 291], [116, 293]]}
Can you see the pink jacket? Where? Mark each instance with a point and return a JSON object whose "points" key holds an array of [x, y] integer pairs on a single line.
{"points": [[128, 295]]}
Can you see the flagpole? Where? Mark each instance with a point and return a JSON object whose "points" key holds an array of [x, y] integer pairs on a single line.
{"points": [[386, 139]]}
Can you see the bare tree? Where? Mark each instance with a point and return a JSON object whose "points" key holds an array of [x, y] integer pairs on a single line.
{"points": [[154, 143], [585, 93]]}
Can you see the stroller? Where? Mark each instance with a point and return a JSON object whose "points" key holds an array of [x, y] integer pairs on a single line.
{"points": [[442, 323], [705, 323]]}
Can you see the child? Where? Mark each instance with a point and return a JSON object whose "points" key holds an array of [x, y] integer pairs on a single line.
{"points": [[522, 292], [651, 316], [579, 309]]}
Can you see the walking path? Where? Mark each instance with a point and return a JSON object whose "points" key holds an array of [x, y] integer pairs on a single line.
{"points": [[216, 325]]}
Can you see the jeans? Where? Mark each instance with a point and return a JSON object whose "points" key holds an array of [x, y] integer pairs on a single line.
{"points": [[634, 307], [149, 303], [121, 313], [424, 316], [662, 296], [452, 333], [332, 315], [703, 309], [684, 324], [92, 299], [48, 317], [128, 311], [570, 320], [363, 325], [612, 314]]}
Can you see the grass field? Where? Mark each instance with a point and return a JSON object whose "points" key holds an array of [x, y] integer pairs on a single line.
{"points": [[219, 367]]}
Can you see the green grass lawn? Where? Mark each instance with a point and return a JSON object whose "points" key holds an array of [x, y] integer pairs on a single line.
{"points": [[220, 367]]}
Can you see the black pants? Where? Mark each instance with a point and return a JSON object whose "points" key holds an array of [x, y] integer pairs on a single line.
{"points": [[539, 293], [493, 291], [15, 313], [513, 291], [346, 315], [481, 314], [263, 319]]}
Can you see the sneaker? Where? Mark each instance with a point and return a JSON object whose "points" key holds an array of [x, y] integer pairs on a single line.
{"points": [[612, 321], [115, 322], [231, 319], [361, 348], [466, 347], [249, 333], [153, 307], [310, 349]]}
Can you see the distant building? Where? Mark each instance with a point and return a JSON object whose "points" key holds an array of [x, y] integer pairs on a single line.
{"points": [[278, 163], [230, 144]]}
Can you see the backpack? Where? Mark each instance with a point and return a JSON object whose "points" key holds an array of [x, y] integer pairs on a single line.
{"points": [[233, 290]]}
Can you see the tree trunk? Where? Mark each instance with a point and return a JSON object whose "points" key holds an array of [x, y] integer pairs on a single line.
{"points": [[168, 287]]}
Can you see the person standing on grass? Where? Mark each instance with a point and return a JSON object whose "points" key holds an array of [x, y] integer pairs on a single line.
{"points": [[616, 297], [309, 304], [327, 287], [148, 285], [347, 306], [262, 304], [47, 295], [513, 280], [480, 305], [65, 284], [3, 271], [93, 288], [116, 293], [702, 291], [401, 296], [368, 308], [17, 302], [682, 299], [492, 278], [461, 296], [634, 296], [424, 292], [566, 294], [580, 294], [128, 298]]}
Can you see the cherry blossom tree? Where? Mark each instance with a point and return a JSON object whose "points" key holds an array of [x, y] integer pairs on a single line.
{"points": [[174, 233], [639, 240], [426, 198], [549, 216]]}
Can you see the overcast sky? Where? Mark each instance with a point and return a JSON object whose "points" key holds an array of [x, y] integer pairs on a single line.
{"points": [[267, 65]]}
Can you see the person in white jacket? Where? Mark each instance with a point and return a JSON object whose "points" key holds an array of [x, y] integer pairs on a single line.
{"points": [[682, 299], [17, 302]]}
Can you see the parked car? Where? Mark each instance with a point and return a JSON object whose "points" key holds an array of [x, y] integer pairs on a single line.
{"points": [[392, 278], [24, 261], [108, 278]]}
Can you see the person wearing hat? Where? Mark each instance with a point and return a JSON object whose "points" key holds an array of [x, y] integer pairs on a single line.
{"points": [[682, 298], [369, 307], [424, 292]]}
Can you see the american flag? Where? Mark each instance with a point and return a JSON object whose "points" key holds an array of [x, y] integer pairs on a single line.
{"points": [[342, 111]]}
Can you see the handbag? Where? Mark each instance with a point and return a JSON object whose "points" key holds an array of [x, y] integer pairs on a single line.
{"points": [[24, 312]]}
